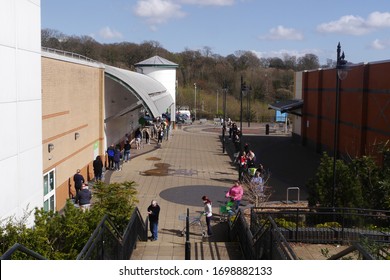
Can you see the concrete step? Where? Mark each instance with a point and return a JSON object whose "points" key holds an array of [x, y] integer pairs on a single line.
{"points": [[200, 250]]}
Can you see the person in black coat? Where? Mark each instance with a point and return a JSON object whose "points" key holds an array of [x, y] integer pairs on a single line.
{"points": [[117, 159], [78, 180], [153, 214], [83, 197], [98, 168]]}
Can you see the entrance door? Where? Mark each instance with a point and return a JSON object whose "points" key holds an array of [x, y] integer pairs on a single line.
{"points": [[49, 199]]}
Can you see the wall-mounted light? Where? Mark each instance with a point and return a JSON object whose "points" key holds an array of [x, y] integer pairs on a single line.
{"points": [[50, 147], [76, 136]]}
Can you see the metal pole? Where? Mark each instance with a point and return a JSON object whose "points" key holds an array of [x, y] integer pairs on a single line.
{"points": [[188, 244], [247, 108], [224, 119], [241, 134], [217, 102], [336, 127], [195, 100]]}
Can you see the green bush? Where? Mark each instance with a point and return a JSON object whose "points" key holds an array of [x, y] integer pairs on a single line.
{"points": [[61, 236], [361, 183]]}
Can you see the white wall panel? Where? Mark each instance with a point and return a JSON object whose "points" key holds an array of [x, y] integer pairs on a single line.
{"points": [[8, 139], [28, 69], [9, 187], [7, 74], [29, 125], [30, 178], [28, 24], [20, 108], [7, 23]]}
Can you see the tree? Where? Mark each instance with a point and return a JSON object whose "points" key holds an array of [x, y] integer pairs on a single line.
{"points": [[360, 183], [308, 62], [61, 236]]}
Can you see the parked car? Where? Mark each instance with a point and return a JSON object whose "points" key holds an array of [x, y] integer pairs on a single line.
{"points": [[183, 118]]}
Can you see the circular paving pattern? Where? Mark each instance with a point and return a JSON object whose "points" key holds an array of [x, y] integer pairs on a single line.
{"points": [[192, 195]]}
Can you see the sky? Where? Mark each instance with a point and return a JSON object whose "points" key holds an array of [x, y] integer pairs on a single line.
{"points": [[271, 28]]}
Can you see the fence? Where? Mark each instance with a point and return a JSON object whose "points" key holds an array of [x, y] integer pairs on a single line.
{"points": [[324, 225], [106, 243], [271, 229], [267, 243], [17, 249]]}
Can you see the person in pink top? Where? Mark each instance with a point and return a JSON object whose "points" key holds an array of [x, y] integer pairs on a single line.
{"points": [[235, 193]]}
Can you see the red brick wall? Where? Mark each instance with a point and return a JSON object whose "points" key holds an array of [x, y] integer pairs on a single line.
{"points": [[364, 110]]}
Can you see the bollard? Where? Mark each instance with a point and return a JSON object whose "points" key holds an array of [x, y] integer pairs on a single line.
{"points": [[266, 129]]}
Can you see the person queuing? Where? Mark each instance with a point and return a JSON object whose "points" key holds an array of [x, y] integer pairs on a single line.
{"points": [[235, 193], [78, 180], [208, 213], [83, 197], [98, 168]]}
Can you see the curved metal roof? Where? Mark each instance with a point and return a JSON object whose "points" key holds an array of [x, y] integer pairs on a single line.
{"points": [[152, 93]]}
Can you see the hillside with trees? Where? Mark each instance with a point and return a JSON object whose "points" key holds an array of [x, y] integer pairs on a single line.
{"points": [[269, 79]]}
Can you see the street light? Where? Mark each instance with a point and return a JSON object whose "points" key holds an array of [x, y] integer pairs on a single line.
{"points": [[195, 100], [224, 118], [341, 74], [217, 102], [248, 105], [243, 91]]}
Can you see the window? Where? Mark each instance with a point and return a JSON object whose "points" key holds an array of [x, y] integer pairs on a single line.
{"points": [[49, 201]]}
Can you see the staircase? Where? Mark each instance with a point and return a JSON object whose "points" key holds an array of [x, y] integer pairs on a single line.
{"points": [[200, 250]]}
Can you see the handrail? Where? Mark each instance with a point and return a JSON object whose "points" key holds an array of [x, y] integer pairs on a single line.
{"points": [[88, 247], [69, 54], [19, 247], [350, 249]]}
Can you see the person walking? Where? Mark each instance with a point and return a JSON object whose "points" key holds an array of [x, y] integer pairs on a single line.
{"points": [[126, 149], [83, 197], [208, 213], [235, 193], [153, 214], [98, 168], [78, 180]]}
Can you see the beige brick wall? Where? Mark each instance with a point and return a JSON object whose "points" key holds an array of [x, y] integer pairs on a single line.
{"points": [[72, 102]]}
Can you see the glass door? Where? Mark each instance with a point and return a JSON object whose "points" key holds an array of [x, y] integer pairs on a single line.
{"points": [[49, 199]]}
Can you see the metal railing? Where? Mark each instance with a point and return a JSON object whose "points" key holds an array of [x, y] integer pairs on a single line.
{"points": [[267, 243], [106, 243], [324, 225], [16, 248], [69, 54]]}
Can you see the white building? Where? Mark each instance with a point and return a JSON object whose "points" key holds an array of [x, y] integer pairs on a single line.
{"points": [[163, 71], [20, 107]]}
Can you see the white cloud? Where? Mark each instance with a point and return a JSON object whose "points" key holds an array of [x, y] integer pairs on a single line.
{"points": [[158, 11], [209, 2], [379, 20], [380, 44], [283, 33], [108, 33], [356, 25], [281, 53]]}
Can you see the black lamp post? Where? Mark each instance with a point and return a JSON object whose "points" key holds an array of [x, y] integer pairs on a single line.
{"points": [[341, 74], [243, 91], [224, 118]]}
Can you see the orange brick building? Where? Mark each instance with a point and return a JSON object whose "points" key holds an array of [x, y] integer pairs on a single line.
{"points": [[364, 109]]}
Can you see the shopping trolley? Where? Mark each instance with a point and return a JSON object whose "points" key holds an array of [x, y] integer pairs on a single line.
{"points": [[195, 221], [225, 211]]}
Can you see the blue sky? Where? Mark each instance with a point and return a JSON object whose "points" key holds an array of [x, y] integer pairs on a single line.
{"points": [[268, 28]]}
